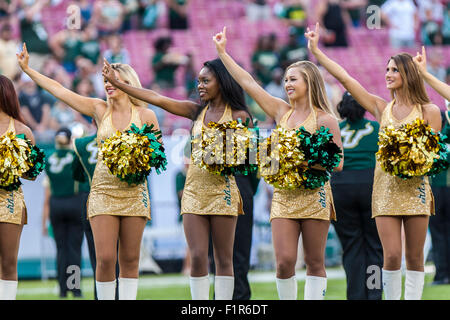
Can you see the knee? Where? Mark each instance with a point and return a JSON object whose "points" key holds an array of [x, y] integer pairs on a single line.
{"points": [[392, 259], [224, 264], [199, 258], [285, 266], [106, 260], [414, 260], [9, 268], [315, 266]]}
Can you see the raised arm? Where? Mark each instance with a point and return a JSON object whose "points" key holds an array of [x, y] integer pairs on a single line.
{"points": [[88, 106], [274, 107], [372, 103], [184, 108], [421, 62]]}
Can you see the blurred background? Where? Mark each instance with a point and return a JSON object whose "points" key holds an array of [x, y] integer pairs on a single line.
{"points": [[167, 42]]}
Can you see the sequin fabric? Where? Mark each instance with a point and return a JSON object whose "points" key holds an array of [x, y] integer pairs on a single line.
{"points": [[12, 203], [109, 195], [303, 203], [206, 193], [393, 196]]}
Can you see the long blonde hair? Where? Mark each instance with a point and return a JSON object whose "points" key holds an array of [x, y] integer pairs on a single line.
{"points": [[129, 76], [413, 86], [316, 86]]}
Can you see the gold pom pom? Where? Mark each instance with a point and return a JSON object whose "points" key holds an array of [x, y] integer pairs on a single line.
{"points": [[14, 159], [281, 162], [408, 151]]}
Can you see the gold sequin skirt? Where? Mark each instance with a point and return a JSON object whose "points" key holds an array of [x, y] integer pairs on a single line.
{"points": [[303, 204], [209, 194], [12, 207], [110, 196], [393, 196]]}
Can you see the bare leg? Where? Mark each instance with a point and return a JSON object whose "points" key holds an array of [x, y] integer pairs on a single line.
{"points": [[223, 229], [9, 249], [415, 233], [389, 230], [196, 229], [285, 235], [314, 235], [130, 238]]}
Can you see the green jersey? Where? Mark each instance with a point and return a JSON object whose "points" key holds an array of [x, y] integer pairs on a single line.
{"points": [[86, 151], [360, 142], [59, 171], [443, 179]]}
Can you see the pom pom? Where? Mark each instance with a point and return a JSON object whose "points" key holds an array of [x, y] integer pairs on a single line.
{"points": [[281, 162], [131, 155], [412, 150], [226, 148], [18, 157]]}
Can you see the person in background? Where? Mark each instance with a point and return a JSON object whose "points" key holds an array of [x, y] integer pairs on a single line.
{"points": [[63, 206], [108, 16], [116, 53], [352, 193], [292, 51], [165, 63], [402, 19], [264, 59], [8, 48], [178, 14], [334, 19]]}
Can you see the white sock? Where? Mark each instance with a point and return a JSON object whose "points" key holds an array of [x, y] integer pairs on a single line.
{"points": [[315, 288], [199, 287], [8, 289], [287, 288], [414, 284], [106, 290], [392, 284], [223, 287], [128, 288]]}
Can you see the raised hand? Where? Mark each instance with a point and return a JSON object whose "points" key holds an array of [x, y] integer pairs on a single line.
{"points": [[23, 57], [108, 72], [421, 61], [220, 40], [313, 38]]}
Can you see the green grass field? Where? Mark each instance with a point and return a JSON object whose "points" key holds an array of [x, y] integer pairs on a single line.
{"points": [[176, 287]]}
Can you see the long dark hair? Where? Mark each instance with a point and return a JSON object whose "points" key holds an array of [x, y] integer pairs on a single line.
{"points": [[9, 103], [350, 109], [231, 91]]}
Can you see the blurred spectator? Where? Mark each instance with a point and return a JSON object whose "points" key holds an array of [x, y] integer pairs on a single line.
{"points": [[446, 25], [66, 46], [90, 47], [116, 53], [190, 78], [402, 20], [61, 116], [108, 16], [258, 10], [131, 8], [165, 63], [435, 65], [430, 30], [86, 10], [292, 51], [35, 108], [276, 86], [294, 14], [333, 90], [265, 58], [178, 15], [334, 20], [33, 32], [149, 12], [8, 48], [7, 8], [430, 10], [356, 10]]}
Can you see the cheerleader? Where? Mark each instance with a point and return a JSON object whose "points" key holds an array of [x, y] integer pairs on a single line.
{"points": [[210, 203], [395, 201], [117, 212], [13, 213], [301, 211]]}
